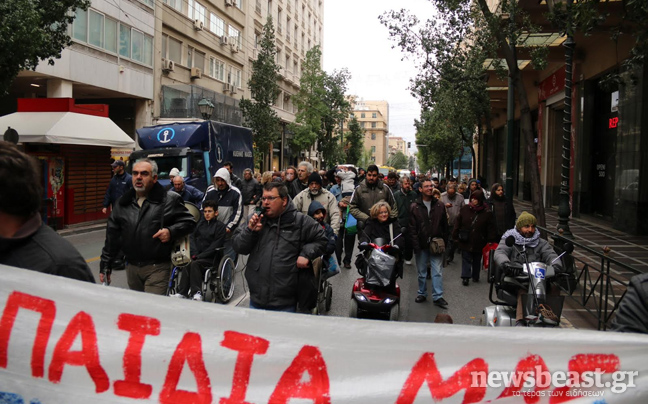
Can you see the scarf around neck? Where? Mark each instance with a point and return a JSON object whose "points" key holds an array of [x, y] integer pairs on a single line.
{"points": [[521, 240]]}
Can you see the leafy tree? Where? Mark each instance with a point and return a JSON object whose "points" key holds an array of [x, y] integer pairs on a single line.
{"points": [[365, 159], [32, 31], [450, 52], [321, 106], [258, 113], [354, 142], [398, 160], [411, 165]]}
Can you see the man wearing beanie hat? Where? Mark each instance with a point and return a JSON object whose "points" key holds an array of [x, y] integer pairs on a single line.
{"points": [[230, 205], [527, 241], [315, 192]]}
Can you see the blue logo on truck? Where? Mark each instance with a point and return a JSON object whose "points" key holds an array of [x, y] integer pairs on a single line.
{"points": [[219, 153], [165, 135]]}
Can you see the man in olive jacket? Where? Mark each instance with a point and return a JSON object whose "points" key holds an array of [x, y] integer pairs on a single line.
{"points": [[281, 243], [144, 223], [368, 193]]}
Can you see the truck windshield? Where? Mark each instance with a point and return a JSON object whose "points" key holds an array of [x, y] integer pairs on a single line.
{"points": [[165, 164]]}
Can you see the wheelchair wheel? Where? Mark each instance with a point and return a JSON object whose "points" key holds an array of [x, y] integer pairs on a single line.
{"points": [[174, 281], [328, 296], [353, 310], [225, 287], [209, 286]]}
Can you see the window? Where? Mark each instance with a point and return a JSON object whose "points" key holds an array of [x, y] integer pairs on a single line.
{"points": [[80, 26], [352, 115], [196, 11], [96, 31], [373, 124], [124, 41], [373, 136], [171, 49], [176, 4], [216, 69], [235, 77], [238, 4], [362, 115], [150, 3], [373, 115], [216, 24], [110, 38], [235, 35], [362, 124], [195, 58], [373, 159], [373, 149], [137, 45], [279, 21]]}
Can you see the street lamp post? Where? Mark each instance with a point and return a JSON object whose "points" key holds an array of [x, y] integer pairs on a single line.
{"points": [[564, 209], [206, 108]]}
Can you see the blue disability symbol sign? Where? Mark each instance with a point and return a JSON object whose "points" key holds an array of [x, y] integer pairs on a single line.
{"points": [[165, 135]]}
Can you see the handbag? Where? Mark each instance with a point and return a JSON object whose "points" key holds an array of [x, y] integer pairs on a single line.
{"points": [[437, 245], [351, 223]]}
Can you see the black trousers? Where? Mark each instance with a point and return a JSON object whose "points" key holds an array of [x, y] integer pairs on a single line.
{"points": [[470, 264], [193, 276], [345, 242]]}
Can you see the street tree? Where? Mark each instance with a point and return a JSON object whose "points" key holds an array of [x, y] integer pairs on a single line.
{"points": [[398, 160], [32, 31], [354, 142], [258, 112], [321, 106], [366, 159], [450, 52]]}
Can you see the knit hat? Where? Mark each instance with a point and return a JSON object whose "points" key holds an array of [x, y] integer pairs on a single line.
{"points": [[315, 177], [525, 219], [174, 171]]}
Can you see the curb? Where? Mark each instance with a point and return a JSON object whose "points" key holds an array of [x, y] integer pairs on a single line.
{"points": [[70, 231]]}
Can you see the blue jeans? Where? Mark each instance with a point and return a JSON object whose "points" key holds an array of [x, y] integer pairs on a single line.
{"points": [[435, 260]]}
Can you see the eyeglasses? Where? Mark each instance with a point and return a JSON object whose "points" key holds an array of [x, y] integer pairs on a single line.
{"points": [[269, 198]]}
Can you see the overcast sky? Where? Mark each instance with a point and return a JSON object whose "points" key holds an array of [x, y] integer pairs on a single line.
{"points": [[354, 38]]}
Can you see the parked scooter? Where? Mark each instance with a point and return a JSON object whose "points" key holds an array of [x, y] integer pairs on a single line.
{"points": [[532, 276], [373, 292]]}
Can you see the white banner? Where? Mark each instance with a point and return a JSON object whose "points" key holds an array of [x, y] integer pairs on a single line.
{"points": [[63, 341]]}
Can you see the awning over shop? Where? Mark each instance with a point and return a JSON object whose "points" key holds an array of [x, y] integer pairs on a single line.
{"points": [[66, 128]]}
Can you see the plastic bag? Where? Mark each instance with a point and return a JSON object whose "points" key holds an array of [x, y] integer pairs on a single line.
{"points": [[380, 268], [486, 253], [351, 223]]}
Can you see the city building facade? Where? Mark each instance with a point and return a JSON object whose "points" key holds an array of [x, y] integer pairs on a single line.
{"points": [[373, 117]]}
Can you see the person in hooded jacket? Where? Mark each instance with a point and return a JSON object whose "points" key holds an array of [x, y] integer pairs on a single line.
{"points": [[315, 192], [369, 192], [230, 205], [476, 220], [281, 243], [502, 208], [318, 212]]}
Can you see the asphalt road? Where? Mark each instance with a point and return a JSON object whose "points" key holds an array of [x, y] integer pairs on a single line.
{"points": [[465, 303]]}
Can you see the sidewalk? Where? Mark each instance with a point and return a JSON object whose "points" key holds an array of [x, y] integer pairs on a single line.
{"points": [[598, 235]]}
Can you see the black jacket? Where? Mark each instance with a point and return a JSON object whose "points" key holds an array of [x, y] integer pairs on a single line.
{"points": [[37, 247], [131, 228], [632, 314], [250, 191], [503, 213], [118, 186], [272, 272], [423, 226], [206, 238], [374, 229]]}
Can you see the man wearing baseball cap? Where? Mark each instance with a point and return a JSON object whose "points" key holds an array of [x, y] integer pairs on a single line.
{"points": [[119, 184]]}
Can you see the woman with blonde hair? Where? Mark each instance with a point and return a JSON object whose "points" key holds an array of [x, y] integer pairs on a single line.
{"points": [[266, 177]]}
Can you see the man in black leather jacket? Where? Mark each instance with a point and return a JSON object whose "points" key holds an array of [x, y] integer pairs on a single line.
{"points": [[632, 314], [144, 223]]}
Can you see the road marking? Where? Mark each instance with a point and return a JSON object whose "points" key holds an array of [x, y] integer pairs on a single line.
{"points": [[93, 259]]}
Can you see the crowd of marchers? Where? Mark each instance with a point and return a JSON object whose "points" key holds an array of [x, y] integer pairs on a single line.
{"points": [[282, 221]]}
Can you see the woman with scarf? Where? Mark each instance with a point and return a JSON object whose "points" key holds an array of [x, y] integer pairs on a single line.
{"points": [[474, 227], [502, 208]]}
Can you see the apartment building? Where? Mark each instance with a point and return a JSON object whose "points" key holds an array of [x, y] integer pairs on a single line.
{"points": [[397, 144], [373, 117]]}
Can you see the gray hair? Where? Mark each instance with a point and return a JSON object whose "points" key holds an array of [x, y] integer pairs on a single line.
{"points": [[154, 166], [247, 170], [308, 165]]}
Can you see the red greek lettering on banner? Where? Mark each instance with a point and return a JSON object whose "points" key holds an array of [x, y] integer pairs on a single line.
{"points": [[47, 309], [188, 350], [581, 363], [426, 371], [308, 360], [139, 327], [247, 346], [80, 325], [531, 365]]}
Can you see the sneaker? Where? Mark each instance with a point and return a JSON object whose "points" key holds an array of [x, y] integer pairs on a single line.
{"points": [[441, 303], [197, 297], [347, 265], [178, 295], [546, 315], [408, 262], [419, 299]]}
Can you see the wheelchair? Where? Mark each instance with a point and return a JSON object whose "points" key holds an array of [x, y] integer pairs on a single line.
{"points": [[218, 283]]}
